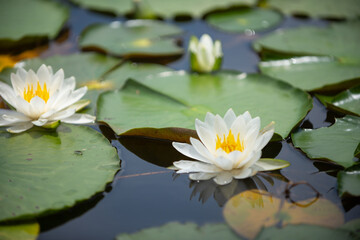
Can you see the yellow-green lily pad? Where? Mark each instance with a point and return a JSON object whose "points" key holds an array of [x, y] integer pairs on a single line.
{"points": [[26, 231]]}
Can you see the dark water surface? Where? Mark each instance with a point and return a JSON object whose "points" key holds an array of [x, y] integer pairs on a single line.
{"points": [[145, 195]]}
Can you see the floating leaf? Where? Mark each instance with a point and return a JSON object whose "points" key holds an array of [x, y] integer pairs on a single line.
{"points": [[175, 99], [300, 232], [196, 8], [132, 38], [322, 8], [42, 172], [249, 211], [349, 181], [336, 143], [92, 70], [177, 231], [313, 73], [28, 21], [353, 226], [27, 231], [347, 102], [244, 20], [340, 40]]}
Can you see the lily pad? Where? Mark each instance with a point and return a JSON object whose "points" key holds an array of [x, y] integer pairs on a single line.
{"points": [[316, 74], [347, 102], [179, 231], [244, 20], [300, 232], [33, 163], [340, 40], [176, 99], [133, 38], [322, 9], [349, 181], [28, 231], [248, 213], [28, 21], [167, 9], [336, 143], [99, 73]]}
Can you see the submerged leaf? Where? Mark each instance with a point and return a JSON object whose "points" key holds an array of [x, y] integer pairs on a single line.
{"points": [[349, 181], [249, 211]]}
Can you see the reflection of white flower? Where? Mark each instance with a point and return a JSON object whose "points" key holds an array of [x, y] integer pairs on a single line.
{"points": [[41, 99], [230, 147], [205, 56]]}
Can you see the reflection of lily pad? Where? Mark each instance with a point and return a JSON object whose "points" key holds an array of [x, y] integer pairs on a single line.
{"points": [[244, 20], [42, 172], [249, 211], [300, 232], [322, 8], [340, 40], [179, 231], [349, 181], [176, 99], [27, 231], [196, 8], [336, 143], [27, 20], [132, 38], [347, 102], [313, 73]]}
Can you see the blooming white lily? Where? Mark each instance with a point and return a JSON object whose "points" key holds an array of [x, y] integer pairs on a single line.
{"points": [[41, 99], [230, 148], [205, 56]]}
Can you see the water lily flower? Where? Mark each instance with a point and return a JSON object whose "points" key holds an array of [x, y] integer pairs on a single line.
{"points": [[230, 147], [205, 56], [41, 99]]}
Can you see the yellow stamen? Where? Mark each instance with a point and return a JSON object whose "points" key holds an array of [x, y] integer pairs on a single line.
{"points": [[42, 93], [229, 144]]}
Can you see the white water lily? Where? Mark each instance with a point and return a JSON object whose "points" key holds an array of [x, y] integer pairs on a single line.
{"points": [[230, 148], [41, 99], [205, 55]]}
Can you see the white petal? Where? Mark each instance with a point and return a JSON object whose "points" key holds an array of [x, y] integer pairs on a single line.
{"points": [[239, 127], [223, 163], [18, 84], [13, 116], [247, 117], [270, 164], [209, 119], [43, 75], [18, 128], [220, 127], [61, 115], [201, 176], [253, 160], [79, 119], [223, 178], [206, 136], [185, 166], [189, 151], [8, 94], [235, 157], [40, 122], [202, 150], [68, 84], [245, 159], [244, 173], [73, 98], [37, 107], [229, 118]]}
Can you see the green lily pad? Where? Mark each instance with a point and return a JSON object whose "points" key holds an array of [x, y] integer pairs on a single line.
{"points": [[43, 172], [340, 40], [316, 74], [322, 9], [336, 143], [349, 181], [28, 231], [27, 21], [167, 9], [175, 99], [146, 38], [244, 20], [300, 232], [178, 231], [353, 226], [248, 212], [347, 102], [98, 72]]}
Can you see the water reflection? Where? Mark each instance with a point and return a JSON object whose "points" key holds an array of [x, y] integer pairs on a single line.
{"points": [[222, 193]]}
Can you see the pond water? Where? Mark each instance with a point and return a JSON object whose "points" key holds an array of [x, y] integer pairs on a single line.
{"points": [[144, 194]]}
